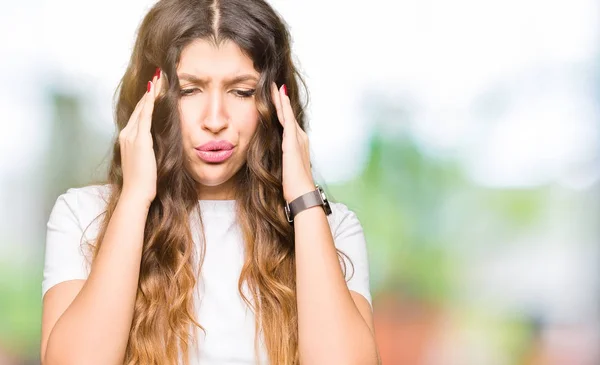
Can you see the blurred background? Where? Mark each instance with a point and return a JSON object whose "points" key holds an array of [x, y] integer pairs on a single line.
{"points": [[465, 135]]}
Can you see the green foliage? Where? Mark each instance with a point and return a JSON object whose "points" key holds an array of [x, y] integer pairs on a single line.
{"points": [[20, 309], [420, 213]]}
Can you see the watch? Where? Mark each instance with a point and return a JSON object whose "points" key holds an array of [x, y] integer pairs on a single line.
{"points": [[305, 201]]}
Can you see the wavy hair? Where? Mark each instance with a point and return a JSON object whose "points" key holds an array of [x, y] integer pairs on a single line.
{"points": [[164, 307]]}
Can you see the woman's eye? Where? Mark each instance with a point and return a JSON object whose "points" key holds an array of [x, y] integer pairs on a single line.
{"points": [[238, 93], [244, 93], [185, 92]]}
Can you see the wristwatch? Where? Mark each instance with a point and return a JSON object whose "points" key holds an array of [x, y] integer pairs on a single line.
{"points": [[305, 201]]}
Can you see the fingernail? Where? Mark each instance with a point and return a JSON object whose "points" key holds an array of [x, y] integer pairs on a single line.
{"points": [[157, 73], [285, 89], [149, 85]]}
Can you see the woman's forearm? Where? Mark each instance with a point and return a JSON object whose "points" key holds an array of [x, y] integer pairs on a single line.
{"points": [[94, 329], [331, 328]]}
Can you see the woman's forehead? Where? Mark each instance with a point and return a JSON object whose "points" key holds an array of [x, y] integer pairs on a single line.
{"points": [[205, 60]]}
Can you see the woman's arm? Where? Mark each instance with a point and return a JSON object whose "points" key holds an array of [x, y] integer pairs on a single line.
{"points": [[335, 324], [94, 327], [91, 325]]}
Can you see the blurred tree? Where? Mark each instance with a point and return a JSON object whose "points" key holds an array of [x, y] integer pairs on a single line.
{"points": [[74, 155]]}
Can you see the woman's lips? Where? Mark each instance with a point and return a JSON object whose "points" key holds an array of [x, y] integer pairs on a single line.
{"points": [[214, 156]]}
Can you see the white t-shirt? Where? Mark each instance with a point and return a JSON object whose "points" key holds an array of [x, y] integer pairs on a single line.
{"points": [[229, 324]]}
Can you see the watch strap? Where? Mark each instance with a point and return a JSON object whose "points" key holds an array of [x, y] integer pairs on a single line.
{"points": [[305, 201]]}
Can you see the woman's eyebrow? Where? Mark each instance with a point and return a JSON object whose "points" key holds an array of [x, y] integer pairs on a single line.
{"points": [[228, 81]]}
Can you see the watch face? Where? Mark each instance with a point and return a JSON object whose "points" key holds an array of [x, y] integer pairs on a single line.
{"points": [[325, 201]]}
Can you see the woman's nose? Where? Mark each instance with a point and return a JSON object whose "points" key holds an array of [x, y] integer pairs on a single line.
{"points": [[216, 116]]}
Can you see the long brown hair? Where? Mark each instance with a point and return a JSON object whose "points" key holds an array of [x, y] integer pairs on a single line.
{"points": [[164, 312]]}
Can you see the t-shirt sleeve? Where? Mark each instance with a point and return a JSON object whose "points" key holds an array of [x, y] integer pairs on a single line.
{"points": [[64, 257], [350, 239]]}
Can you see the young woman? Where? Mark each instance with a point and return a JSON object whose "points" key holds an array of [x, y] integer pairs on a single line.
{"points": [[210, 242]]}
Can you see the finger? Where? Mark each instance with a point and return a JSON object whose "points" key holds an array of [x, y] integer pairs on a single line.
{"points": [[133, 118], [145, 120], [286, 110], [136, 111], [276, 102], [159, 83]]}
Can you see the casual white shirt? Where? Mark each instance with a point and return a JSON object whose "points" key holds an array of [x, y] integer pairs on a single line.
{"points": [[229, 323]]}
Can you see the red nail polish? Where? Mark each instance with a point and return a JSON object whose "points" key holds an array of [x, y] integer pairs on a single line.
{"points": [[285, 89], [149, 85], [157, 73]]}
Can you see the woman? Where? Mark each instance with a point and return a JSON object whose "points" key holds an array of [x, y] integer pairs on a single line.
{"points": [[193, 258]]}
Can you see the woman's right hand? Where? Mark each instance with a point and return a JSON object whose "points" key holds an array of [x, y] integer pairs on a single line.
{"points": [[138, 162]]}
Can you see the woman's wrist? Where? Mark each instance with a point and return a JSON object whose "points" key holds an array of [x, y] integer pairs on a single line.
{"points": [[134, 201]]}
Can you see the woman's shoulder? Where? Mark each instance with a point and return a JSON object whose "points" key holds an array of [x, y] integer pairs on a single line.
{"points": [[86, 203], [343, 219], [89, 197]]}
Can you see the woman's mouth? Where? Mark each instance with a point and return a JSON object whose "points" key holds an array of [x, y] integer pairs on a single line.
{"points": [[216, 156]]}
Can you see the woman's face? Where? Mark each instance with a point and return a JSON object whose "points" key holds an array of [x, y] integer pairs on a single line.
{"points": [[217, 104]]}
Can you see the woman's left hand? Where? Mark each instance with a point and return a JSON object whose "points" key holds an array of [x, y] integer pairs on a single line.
{"points": [[297, 175]]}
